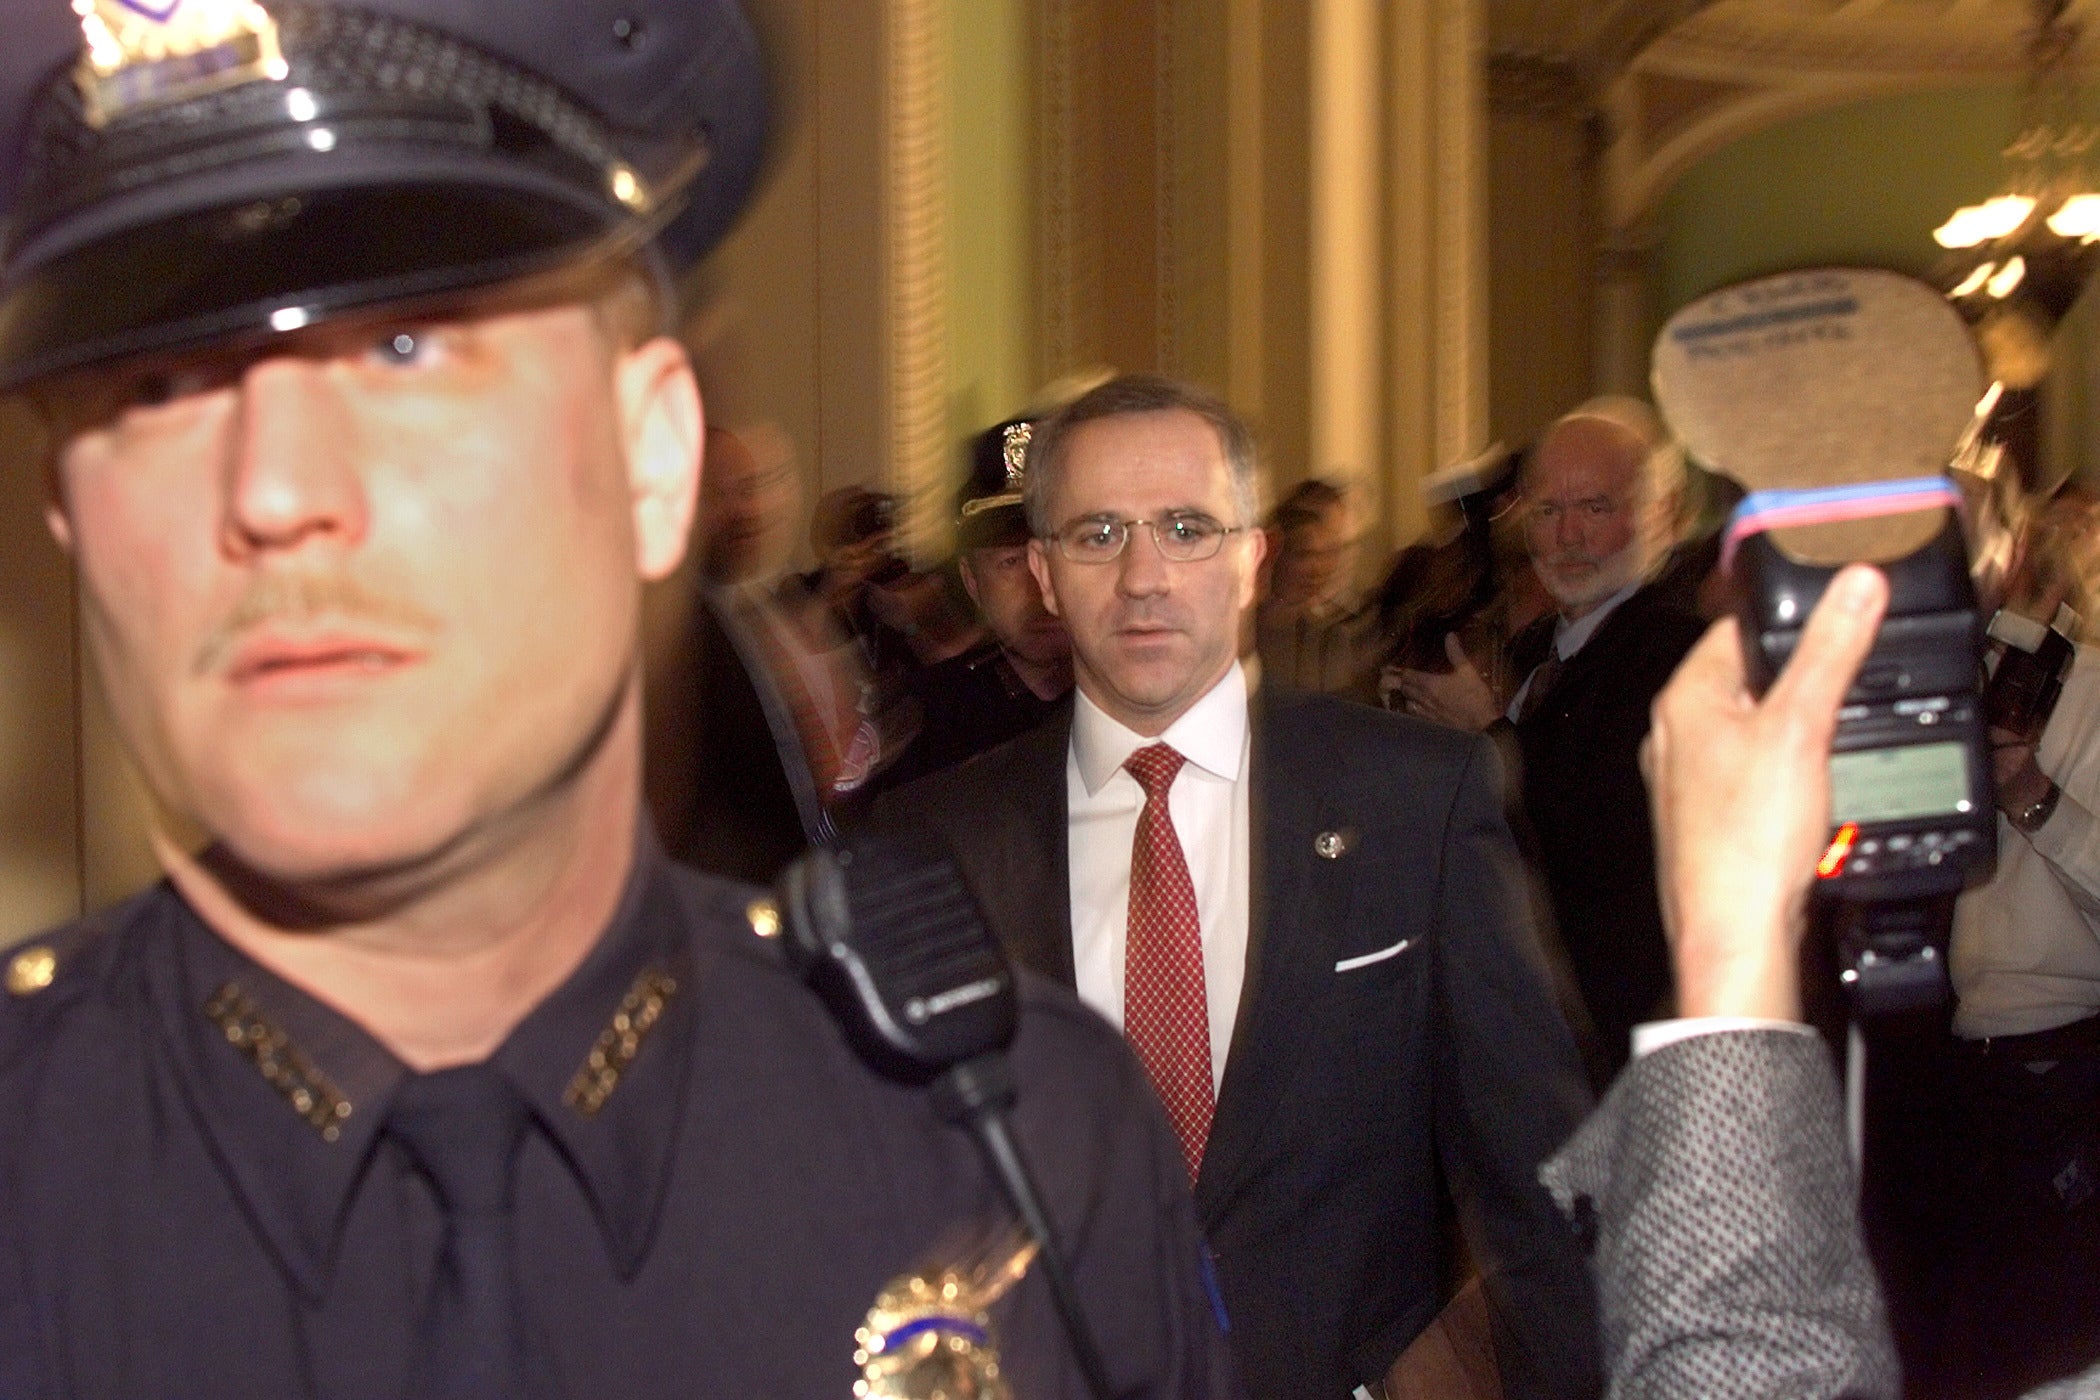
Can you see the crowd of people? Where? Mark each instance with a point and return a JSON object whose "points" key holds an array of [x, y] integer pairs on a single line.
{"points": [[456, 1055], [1547, 610]]}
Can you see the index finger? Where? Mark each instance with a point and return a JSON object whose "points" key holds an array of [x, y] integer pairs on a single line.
{"points": [[1839, 634]]}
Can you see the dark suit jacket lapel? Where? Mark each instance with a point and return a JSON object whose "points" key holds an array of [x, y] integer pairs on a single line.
{"points": [[1028, 896], [1603, 659], [1292, 913]]}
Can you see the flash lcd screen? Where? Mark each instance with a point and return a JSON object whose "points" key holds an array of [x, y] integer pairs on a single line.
{"points": [[1898, 784]]}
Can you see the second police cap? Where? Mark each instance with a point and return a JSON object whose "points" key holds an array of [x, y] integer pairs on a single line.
{"points": [[988, 507], [181, 172]]}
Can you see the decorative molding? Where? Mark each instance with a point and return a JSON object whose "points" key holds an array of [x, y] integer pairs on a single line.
{"points": [[1675, 80], [1167, 210], [917, 209], [1057, 286], [1672, 105], [1629, 29], [1069, 162], [1780, 40], [1646, 153]]}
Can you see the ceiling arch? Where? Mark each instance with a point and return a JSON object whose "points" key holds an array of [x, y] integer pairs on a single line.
{"points": [[1674, 80]]}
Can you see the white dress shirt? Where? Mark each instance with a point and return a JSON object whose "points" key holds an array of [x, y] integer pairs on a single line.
{"points": [[1209, 805], [2026, 954]]}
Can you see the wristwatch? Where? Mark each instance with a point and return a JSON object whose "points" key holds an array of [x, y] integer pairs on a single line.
{"points": [[2030, 818]]}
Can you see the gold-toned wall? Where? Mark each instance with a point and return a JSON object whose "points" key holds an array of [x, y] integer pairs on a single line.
{"points": [[1542, 257], [40, 783]]}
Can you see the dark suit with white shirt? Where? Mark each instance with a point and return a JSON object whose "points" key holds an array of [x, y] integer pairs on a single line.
{"points": [[1395, 1037]]}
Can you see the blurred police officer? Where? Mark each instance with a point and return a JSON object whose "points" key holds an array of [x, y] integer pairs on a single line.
{"points": [[1012, 683], [423, 1073]]}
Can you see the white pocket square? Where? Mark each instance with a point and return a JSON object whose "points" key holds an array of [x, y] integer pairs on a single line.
{"points": [[1366, 959]]}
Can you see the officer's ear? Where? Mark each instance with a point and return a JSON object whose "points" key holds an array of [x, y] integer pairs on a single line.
{"points": [[662, 428], [55, 518], [40, 438]]}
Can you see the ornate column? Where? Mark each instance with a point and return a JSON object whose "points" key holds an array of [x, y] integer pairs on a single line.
{"points": [[917, 232], [1343, 248], [1623, 317], [1244, 242], [1436, 252], [1461, 241]]}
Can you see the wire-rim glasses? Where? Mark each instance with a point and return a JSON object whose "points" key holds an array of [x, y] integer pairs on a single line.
{"points": [[1183, 537]]}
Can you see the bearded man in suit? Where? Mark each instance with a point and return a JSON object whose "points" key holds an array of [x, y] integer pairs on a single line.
{"points": [[1600, 496], [1308, 917]]}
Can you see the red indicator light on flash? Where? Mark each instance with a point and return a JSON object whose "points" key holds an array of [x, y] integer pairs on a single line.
{"points": [[1833, 860]]}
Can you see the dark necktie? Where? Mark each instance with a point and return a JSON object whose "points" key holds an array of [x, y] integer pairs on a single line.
{"points": [[462, 1126], [1543, 677], [1165, 1014]]}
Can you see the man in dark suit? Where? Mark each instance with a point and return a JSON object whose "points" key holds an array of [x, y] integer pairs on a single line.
{"points": [[1311, 925], [1599, 494]]}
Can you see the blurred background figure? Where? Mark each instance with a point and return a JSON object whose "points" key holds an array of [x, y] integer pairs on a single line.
{"points": [[1468, 577], [749, 494], [771, 723], [1306, 630], [1012, 680], [902, 619], [1600, 498], [733, 791], [1986, 1207]]}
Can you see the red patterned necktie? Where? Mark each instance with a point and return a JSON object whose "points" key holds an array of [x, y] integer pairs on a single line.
{"points": [[1165, 1014]]}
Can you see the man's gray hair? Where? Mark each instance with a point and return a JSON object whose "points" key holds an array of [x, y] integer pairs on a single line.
{"points": [[1130, 394], [1662, 475]]}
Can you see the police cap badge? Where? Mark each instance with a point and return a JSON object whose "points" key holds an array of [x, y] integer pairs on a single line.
{"points": [[185, 172]]}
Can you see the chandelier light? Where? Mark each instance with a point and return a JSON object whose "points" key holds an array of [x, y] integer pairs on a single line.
{"points": [[2017, 261]]}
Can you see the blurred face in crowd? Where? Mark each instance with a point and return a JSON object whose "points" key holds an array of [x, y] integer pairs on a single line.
{"points": [[366, 602], [1006, 593], [1149, 635], [1589, 530], [1313, 560], [746, 497]]}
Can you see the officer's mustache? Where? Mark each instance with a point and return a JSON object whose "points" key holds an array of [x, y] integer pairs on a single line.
{"points": [[302, 597]]}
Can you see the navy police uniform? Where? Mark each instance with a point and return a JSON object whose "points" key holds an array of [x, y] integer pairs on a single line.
{"points": [[977, 701], [971, 703], [196, 1197], [207, 1181]]}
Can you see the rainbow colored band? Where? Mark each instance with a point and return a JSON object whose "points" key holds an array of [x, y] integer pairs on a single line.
{"points": [[1820, 505]]}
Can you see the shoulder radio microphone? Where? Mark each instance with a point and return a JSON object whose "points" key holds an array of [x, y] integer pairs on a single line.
{"points": [[887, 933]]}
